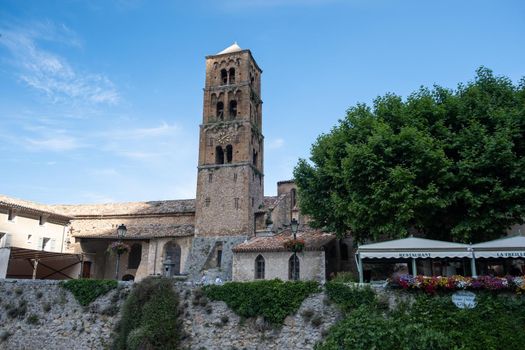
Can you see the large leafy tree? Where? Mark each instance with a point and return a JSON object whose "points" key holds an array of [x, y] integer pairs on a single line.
{"points": [[447, 163]]}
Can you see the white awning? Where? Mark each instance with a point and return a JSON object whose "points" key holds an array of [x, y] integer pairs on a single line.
{"points": [[509, 247], [412, 247]]}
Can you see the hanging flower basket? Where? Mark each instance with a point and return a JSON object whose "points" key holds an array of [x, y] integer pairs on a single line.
{"points": [[294, 245], [118, 248]]}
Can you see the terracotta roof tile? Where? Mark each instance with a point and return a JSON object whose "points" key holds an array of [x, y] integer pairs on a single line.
{"points": [[314, 240]]}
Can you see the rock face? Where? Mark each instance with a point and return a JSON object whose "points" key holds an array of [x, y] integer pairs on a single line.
{"points": [[53, 319], [42, 315]]}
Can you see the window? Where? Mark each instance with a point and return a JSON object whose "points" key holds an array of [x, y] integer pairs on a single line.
{"points": [[229, 154], [45, 243], [293, 268], [135, 255], [254, 158], [219, 257], [29, 238], [293, 197], [11, 215], [224, 77], [41, 220], [207, 201], [220, 111], [210, 177], [232, 75], [235, 177], [236, 203], [233, 109], [219, 155], [259, 267]]}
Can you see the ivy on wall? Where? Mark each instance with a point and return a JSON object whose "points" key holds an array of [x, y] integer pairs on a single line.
{"points": [[87, 290], [272, 299]]}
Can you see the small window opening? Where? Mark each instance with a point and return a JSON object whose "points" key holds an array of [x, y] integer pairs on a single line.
{"points": [[293, 194], [29, 238], [219, 155], [235, 177], [236, 203], [229, 154], [232, 75], [220, 111], [207, 201], [254, 158], [219, 257], [210, 177], [233, 109], [259, 267], [224, 76], [11, 215], [41, 220]]}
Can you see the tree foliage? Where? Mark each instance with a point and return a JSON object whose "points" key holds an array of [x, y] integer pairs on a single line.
{"points": [[447, 163]]}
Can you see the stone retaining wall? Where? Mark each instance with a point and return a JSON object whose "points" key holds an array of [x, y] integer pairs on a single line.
{"points": [[60, 322]]}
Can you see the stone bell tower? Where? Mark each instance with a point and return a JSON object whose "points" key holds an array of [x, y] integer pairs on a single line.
{"points": [[230, 168]]}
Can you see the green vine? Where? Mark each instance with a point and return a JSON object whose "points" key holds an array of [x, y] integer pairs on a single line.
{"points": [[86, 291], [274, 299]]}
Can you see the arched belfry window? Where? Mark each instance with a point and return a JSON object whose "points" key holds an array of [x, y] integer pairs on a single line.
{"points": [[259, 267], [232, 75], [229, 154], [220, 111], [293, 267], [254, 158], [224, 77], [219, 155], [293, 197], [233, 109], [135, 256]]}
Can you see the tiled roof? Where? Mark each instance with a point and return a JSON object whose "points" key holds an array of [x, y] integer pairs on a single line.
{"points": [[137, 230], [32, 208], [127, 208], [314, 240]]}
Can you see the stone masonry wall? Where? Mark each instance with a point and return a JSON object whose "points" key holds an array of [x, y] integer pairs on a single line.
{"points": [[53, 319], [64, 324]]}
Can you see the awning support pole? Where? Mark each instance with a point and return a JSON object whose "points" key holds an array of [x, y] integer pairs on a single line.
{"points": [[414, 267], [360, 268], [473, 266], [35, 265]]}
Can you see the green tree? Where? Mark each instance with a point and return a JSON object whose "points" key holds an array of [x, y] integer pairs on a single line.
{"points": [[448, 163]]}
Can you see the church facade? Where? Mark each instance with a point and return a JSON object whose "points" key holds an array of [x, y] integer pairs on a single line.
{"points": [[230, 230]]}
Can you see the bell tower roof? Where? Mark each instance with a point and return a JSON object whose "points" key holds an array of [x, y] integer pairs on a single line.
{"points": [[232, 48]]}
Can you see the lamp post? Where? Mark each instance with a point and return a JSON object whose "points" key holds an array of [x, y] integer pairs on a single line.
{"points": [[121, 232], [294, 225]]}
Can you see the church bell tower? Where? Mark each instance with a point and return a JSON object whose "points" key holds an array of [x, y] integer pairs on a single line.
{"points": [[230, 168]]}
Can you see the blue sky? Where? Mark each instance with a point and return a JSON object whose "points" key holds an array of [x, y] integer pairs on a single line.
{"points": [[101, 100]]}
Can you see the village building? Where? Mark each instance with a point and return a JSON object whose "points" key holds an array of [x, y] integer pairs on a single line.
{"points": [[229, 231]]}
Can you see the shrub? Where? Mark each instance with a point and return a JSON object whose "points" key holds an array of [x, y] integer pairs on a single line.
{"points": [[350, 297], [32, 319], [317, 321], [46, 307], [39, 294], [432, 323], [19, 291], [307, 314], [274, 300], [149, 317], [19, 311], [87, 290], [345, 277]]}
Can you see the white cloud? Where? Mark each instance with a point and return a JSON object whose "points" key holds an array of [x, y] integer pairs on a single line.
{"points": [[50, 73], [275, 144], [59, 143], [140, 133]]}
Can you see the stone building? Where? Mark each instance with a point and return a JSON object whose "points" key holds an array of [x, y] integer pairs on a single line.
{"points": [[220, 231]]}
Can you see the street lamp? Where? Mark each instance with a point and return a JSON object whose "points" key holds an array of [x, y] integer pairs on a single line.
{"points": [[121, 232], [294, 225]]}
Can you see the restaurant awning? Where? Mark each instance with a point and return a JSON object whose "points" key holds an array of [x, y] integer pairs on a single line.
{"points": [[413, 247], [509, 247]]}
